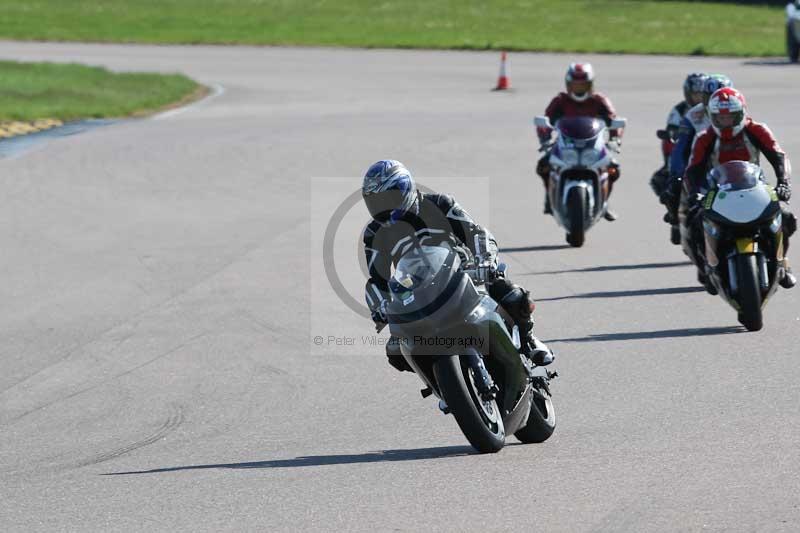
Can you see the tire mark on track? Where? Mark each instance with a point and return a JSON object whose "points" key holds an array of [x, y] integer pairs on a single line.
{"points": [[104, 381], [174, 296], [175, 419]]}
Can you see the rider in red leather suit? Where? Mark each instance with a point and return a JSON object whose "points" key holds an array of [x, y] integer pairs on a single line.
{"points": [[578, 101]]}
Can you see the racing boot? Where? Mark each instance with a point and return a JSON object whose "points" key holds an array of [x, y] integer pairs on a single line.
{"points": [[533, 348], [610, 215], [543, 170], [537, 352], [706, 279], [788, 280], [613, 176], [706, 282]]}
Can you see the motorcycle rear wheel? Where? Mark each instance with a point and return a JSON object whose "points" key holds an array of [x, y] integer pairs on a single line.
{"points": [[480, 421], [541, 420], [749, 296]]}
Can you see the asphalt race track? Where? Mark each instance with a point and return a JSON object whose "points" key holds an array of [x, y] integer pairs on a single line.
{"points": [[162, 284]]}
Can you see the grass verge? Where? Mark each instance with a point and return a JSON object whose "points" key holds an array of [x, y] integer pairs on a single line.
{"points": [[626, 26], [30, 91]]}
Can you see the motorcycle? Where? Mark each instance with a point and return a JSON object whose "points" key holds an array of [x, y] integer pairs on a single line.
{"points": [[692, 240], [581, 166], [793, 31], [659, 182], [465, 349], [743, 229]]}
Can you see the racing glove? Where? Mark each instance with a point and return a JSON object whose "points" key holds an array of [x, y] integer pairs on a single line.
{"points": [[784, 191], [544, 134], [486, 265], [379, 317]]}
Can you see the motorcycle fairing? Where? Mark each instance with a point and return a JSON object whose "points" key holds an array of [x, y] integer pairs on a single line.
{"points": [[746, 206]]}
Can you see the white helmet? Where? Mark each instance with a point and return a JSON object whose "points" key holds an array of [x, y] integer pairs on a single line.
{"points": [[579, 80], [727, 111]]}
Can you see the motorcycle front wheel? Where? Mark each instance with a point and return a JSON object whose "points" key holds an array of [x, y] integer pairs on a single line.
{"points": [[749, 297], [479, 420], [577, 206]]}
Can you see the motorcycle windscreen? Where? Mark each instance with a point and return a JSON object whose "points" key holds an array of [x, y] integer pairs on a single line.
{"points": [[579, 131], [735, 176], [427, 284]]}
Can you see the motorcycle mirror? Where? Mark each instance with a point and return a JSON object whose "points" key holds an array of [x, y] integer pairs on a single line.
{"points": [[618, 123], [502, 267], [542, 122]]}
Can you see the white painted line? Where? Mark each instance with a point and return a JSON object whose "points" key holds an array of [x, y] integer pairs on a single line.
{"points": [[216, 90]]}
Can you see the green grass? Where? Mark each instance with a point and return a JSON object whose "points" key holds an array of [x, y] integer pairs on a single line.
{"points": [[31, 91], [664, 27]]}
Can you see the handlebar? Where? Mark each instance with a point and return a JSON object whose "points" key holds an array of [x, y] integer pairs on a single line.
{"points": [[546, 146], [494, 272]]}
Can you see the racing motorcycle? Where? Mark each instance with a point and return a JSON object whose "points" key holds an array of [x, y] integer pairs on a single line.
{"points": [[581, 166], [743, 230], [465, 349], [659, 182]]}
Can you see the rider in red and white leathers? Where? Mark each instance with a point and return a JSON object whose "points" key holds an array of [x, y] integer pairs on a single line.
{"points": [[734, 136]]}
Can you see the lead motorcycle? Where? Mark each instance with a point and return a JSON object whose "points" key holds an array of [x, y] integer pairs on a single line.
{"points": [[465, 349], [580, 163], [743, 229]]}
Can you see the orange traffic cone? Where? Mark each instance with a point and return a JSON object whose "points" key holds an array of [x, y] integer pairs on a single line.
{"points": [[502, 81]]}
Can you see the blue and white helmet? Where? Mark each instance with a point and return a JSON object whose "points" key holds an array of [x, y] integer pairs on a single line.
{"points": [[389, 191], [714, 83]]}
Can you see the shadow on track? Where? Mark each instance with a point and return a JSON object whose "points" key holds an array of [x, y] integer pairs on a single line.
{"points": [[540, 248], [611, 268], [622, 294], [661, 334], [324, 460]]}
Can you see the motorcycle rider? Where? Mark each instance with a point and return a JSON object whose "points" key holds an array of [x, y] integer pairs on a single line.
{"points": [[579, 100], [403, 215], [694, 122], [734, 136], [692, 95]]}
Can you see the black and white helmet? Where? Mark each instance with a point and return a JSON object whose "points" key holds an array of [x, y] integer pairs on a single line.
{"points": [[389, 191], [693, 88]]}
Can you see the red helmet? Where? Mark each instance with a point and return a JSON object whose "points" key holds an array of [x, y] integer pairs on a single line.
{"points": [[579, 79], [727, 110]]}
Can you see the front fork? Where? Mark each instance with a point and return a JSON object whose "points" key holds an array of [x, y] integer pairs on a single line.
{"points": [[744, 246], [487, 388]]}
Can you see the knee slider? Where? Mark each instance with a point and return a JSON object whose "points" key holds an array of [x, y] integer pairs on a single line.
{"points": [[789, 223], [515, 300]]}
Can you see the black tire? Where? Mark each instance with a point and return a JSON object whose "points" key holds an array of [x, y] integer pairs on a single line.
{"points": [[460, 396], [542, 419], [577, 206], [749, 292], [675, 234], [792, 46]]}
